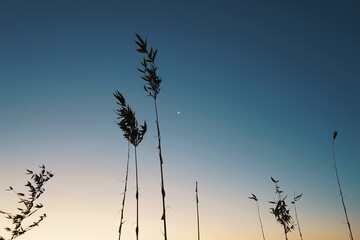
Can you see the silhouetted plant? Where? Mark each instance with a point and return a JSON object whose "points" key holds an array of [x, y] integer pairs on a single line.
{"points": [[134, 134], [152, 87], [281, 212], [339, 185], [253, 197], [197, 210], [296, 198], [28, 202]]}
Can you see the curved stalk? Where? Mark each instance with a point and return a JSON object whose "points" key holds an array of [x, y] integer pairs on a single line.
{"points": [[262, 229], [297, 220], [125, 189], [253, 197], [339, 185]]}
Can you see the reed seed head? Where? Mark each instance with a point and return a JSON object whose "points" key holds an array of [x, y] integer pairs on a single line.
{"points": [[128, 123], [253, 197], [148, 67]]}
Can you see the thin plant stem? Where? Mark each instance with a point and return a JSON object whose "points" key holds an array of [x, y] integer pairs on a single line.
{"points": [[297, 221], [197, 210], [161, 169], [125, 189], [339, 185], [262, 229], [137, 196], [253, 197]]}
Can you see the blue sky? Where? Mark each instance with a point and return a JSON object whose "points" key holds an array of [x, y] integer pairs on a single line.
{"points": [[260, 87]]}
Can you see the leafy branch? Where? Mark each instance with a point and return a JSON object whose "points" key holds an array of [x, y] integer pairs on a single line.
{"points": [[281, 211], [29, 205]]}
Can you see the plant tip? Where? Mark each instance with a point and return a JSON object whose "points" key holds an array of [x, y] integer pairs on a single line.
{"points": [[275, 181], [335, 134]]}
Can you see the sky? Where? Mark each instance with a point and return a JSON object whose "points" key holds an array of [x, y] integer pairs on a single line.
{"points": [[251, 90]]}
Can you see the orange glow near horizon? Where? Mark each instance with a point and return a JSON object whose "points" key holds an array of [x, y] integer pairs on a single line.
{"points": [[87, 208]]}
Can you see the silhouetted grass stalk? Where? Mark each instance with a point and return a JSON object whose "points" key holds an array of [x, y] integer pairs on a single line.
{"points": [[125, 189], [197, 210], [153, 88], [134, 135], [296, 198], [339, 185], [257, 205]]}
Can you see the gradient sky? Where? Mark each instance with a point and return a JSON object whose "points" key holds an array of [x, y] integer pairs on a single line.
{"points": [[260, 87]]}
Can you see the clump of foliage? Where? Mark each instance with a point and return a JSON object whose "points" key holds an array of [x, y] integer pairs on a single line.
{"points": [[152, 87], [134, 133], [339, 185], [253, 197], [281, 211], [29, 204], [296, 198]]}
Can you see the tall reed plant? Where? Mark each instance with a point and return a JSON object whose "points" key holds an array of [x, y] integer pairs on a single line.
{"points": [[339, 185], [253, 197], [152, 87], [134, 133], [281, 210], [29, 205]]}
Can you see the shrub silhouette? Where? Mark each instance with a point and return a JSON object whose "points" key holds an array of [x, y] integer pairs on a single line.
{"points": [[29, 206]]}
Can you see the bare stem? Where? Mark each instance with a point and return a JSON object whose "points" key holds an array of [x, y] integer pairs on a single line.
{"points": [[125, 189], [262, 230], [137, 197], [297, 220], [161, 169], [197, 210], [341, 194]]}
